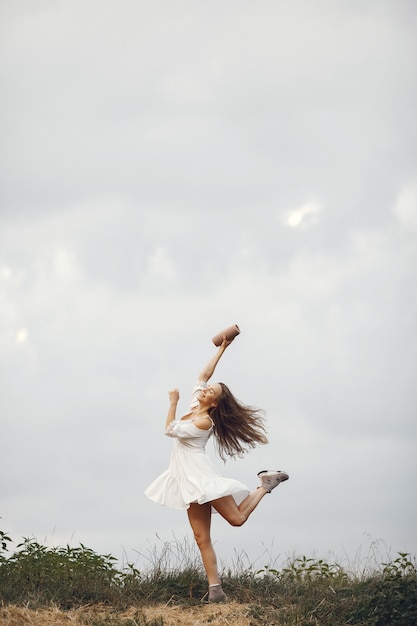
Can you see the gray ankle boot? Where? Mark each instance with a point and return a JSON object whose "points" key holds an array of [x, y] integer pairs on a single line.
{"points": [[216, 593]]}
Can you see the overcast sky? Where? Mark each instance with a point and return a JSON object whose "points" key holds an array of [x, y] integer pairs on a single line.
{"points": [[169, 169]]}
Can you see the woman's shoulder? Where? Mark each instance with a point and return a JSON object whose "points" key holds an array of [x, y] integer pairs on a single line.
{"points": [[203, 422]]}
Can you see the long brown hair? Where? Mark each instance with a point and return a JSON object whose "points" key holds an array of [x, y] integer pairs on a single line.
{"points": [[237, 427]]}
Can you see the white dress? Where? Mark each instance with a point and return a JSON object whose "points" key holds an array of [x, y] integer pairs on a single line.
{"points": [[191, 475]]}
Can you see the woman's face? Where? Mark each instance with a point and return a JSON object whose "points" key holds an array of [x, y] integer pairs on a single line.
{"points": [[208, 397]]}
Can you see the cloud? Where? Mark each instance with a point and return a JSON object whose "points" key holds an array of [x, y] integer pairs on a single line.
{"points": [[22, 335], [150, 198], [405, 208], [160, 268], [304, 216]]}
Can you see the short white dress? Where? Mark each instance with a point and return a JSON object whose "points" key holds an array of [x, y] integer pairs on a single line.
{"points": [[191, 475]]}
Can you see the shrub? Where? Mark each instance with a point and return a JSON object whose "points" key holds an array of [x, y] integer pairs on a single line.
{"points": [[306, 591], [39, 575], [393, 593]]}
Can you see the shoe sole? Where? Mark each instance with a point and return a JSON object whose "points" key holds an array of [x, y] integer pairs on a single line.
{"points": [[284, 475]]}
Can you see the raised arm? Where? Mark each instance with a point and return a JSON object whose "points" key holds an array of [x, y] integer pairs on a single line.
{"points": [[207, 372], [174, 396]]}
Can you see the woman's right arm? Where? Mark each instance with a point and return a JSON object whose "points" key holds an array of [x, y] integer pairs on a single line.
{"points": [[174, 396]]}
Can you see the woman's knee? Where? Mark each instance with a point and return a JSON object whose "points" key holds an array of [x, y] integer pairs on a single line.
{"points": [[201, 535], [236, 519], [202, 539], [227, 508]]}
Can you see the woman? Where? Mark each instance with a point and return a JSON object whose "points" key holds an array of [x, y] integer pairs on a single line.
{"points": [[192, 482]]}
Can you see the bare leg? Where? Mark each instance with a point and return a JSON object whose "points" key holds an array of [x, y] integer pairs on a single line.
{"points": [[199, 516], [237, 515]]}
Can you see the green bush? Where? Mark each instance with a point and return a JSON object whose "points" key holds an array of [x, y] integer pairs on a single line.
{"points": [[393, 593], [313, 591], [38, 574], [307, 591]]}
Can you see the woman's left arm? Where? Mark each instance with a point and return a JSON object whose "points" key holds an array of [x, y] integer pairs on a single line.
{"points": [[208, 370]]}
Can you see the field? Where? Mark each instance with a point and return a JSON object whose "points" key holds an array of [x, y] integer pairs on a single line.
{"points": [[231, 613], [57, 586]]}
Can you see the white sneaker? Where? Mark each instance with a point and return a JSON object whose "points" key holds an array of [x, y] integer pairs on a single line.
{"points": [[272, 478]]}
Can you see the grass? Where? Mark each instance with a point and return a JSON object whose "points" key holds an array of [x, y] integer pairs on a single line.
{"points": [[91, 588]]}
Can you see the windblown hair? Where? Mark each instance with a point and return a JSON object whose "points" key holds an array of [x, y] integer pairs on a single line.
{"points": [[237, 427]]}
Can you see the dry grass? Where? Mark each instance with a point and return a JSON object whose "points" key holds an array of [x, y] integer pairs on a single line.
{"points": [[231, 613]]}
